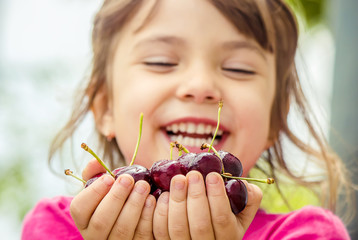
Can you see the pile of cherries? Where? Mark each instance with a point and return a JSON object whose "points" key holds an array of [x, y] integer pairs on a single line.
{"points": [[161, 172]]}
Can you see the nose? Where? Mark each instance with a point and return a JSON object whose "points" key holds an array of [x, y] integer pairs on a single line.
{"points": [[199, 87]]}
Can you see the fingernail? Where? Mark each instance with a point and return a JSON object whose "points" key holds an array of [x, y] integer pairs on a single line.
{"points": [[140, 188], [125, 181], [148, 202], [212, 178], [108, 180], [193, 178], [164, 198], [179, 184]]}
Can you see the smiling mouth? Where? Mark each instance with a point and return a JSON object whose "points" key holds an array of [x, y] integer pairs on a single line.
{"points": [[193, 134]]}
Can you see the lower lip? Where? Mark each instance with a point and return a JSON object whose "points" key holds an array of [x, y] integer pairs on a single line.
{"points": [[197, 149]]}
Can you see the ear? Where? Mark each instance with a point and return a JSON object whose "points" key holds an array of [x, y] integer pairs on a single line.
{"points": [[102, 112]]}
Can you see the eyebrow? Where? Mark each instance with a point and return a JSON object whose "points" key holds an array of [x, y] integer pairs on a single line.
{"points": [[161, 39], [233, 45], [230, 45]]}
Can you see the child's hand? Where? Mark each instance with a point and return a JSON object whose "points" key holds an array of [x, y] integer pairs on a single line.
{"points": [[190, 211], [110, 209]]}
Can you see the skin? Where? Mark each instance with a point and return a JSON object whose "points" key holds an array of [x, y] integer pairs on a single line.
{"points": [[172, 68]]}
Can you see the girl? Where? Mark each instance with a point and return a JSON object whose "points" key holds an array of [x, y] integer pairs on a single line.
{"points": [[174, 60]]}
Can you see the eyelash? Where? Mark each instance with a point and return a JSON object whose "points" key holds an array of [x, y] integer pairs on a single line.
{"points": [[160, 64], [242, 71], [168, 65]]}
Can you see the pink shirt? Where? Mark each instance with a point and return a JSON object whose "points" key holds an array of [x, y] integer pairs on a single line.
{"points": [[51, 219]]}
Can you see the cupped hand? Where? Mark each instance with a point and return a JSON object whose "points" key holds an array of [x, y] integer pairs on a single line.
{"points": [[195, 209], [113, 209]]}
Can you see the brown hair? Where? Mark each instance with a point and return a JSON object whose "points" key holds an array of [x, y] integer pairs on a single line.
{"points": [[273, 26]]}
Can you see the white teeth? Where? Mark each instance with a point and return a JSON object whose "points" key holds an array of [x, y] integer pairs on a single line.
{"points": [[175, 128], [208, 129], [191, 142], [186, 141], [198, 142], [191, 128], [182, 127], [200, 128]]}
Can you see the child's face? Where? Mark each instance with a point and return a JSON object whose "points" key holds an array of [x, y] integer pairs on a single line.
{"points": [[175, 68]]}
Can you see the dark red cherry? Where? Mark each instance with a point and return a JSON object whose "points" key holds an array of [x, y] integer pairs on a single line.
{"points": [[186, 159], [94, 178], [136, 171], [237, 194], [231, 163], [163, 171], [205, 163], [157, 193]]}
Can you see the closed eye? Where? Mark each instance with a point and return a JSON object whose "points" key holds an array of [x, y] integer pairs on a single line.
{"points": [[239, 70], [160, 64]]}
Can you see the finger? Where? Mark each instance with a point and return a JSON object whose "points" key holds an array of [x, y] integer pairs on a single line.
{"points": [[92, 168], [111, 205], [223, 220], [128, 219], [85, 203], [177, 214], [160, 220], [198, 207], [145, 226], [254, 197]]}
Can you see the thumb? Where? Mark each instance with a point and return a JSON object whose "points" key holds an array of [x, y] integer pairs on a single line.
{"points": [[254, 197], [92, 168]]}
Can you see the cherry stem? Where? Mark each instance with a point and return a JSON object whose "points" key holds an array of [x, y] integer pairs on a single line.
{"points": [[206, 145], [267, 180], [86, 148], [217, 125], [181, 147], [68, 172], [139, 137], [172, 145]]}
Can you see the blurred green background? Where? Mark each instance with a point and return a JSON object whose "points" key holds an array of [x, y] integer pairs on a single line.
{"points": [[45, 52]]}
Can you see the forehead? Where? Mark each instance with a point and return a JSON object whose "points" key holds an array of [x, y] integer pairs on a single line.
{"points": [[150, 11], [198, 15], [243, 16]]}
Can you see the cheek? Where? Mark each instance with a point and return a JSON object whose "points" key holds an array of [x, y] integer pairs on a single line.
{"points": [[254, 115], [253, 131]]}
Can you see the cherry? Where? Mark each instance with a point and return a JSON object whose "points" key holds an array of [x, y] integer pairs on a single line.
{"points": [[163, 171], [156, 193], [138, 172], [186, 159], [94, 178], [205, 163], [237, 194], [231, 163]]}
